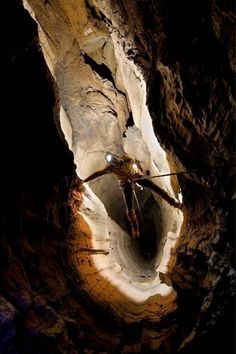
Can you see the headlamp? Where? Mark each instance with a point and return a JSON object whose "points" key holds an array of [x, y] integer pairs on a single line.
{"points": [[109, 157]]}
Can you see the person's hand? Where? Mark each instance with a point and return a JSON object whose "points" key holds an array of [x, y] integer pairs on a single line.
{"points": [[180, 206]]}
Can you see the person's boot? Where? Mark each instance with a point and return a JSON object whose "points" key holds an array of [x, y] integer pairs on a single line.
{"points": [[135, 232]]}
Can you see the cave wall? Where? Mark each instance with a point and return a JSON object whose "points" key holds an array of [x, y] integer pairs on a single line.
{"points": [[186, 57], [37, 169], [86, 69], [188, 64]]}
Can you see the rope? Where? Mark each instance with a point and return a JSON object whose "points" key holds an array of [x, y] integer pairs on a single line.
{"points": [[136, 198], [175, 173]]}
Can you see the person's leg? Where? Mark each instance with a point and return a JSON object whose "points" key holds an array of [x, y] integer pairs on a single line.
{"points": [[128, 195], [150, 185]]}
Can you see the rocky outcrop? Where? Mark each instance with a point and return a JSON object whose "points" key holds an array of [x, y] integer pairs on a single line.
{"points": [[143, 70]]}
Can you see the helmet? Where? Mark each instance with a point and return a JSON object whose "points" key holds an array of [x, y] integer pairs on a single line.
{"points": [[110, 158]]}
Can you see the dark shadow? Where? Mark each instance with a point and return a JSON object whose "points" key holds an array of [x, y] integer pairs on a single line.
{"points": [[150, 224], [150, 230]]}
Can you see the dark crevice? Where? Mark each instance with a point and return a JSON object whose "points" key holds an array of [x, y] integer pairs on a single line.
{"points": [[130, 121], [101, 69], [92, 10], [105, 19]]}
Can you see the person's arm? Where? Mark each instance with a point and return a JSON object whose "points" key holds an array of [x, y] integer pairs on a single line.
{"points": [[163, 194], [98, 174]]}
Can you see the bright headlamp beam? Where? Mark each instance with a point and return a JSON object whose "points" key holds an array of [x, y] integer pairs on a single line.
{"points": [[109, 157]]}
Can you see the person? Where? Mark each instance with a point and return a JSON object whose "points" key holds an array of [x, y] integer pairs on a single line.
{"points": [[129, 174]]}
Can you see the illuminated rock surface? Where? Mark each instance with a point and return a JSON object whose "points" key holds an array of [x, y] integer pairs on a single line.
{"points": [[129, 77]]}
